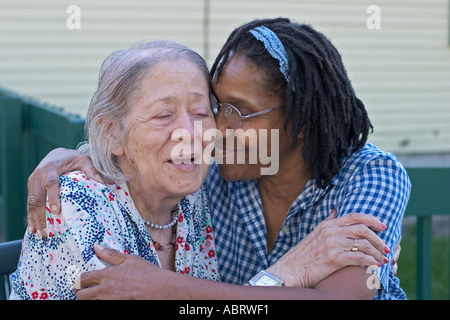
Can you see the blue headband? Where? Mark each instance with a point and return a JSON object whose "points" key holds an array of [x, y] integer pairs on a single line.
{"points": [[275, 47]]}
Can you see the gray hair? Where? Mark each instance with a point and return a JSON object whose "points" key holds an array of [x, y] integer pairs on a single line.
{"points": [[120, 77]]}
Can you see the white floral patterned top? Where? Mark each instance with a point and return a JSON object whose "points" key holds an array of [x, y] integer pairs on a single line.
{"points": [[97, 213]]}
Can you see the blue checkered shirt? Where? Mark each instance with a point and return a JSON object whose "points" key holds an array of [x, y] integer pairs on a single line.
{"points": [[371, 181]]}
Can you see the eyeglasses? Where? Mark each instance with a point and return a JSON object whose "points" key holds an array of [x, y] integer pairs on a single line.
{"points": [[231, 115]]}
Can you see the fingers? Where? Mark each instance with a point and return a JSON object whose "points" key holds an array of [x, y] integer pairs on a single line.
{"points": [[44, 178], [44, 182], [110, 256], [89, 279], [41, 181], [373, 255], [366, 255], [84, 163], [332, 215], [358, 226], [359, 218], [363, 232], [359, 259], [108, 283], [52, 187], [395, 267], [91, 293], [341, 241], [87, 285], [98, 285], [341, 233], [398, 248], [36, 203]]}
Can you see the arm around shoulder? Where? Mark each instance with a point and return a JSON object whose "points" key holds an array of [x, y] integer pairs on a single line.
{"points": [[48, 267]]}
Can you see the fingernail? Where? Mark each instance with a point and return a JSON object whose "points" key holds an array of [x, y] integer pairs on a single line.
{"points": [[378, 264], [333, 211], [77, 283], [54, 209], [383, 226], [386, 260], [39, 234], [99, 246], [386, 249]]}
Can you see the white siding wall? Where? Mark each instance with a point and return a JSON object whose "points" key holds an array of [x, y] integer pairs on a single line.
{"points": [[41, 57], [401, 71]]}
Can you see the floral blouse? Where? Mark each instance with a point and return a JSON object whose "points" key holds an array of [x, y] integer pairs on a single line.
{"points": [[92, 213]]}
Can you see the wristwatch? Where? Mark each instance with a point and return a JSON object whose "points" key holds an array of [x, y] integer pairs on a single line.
{"points": [[263, 278]]}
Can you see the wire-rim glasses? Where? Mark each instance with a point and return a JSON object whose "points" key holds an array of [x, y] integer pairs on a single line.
{"points": [[230, 114]]}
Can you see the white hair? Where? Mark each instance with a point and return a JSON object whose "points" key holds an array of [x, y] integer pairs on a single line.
{"points": [[119, 81]]}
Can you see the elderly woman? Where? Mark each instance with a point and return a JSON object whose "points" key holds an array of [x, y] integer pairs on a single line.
{"points": [[275, 76], [144, 95]]}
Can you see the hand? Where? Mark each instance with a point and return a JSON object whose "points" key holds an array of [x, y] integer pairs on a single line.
{"points": [[126, 278], [45, 178], [327, 249], [398, 248]]}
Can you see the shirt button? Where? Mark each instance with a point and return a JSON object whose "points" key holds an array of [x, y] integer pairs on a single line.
{"points": [[284, 230]]}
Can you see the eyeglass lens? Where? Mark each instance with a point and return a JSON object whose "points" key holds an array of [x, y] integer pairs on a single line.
{"points": [[229, 115]]}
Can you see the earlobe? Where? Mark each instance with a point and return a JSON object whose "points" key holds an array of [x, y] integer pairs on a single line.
{"points": [[117, 150], [116, 144]]}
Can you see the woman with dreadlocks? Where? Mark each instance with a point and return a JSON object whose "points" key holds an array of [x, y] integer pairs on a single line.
{"points": [[284, 81]]}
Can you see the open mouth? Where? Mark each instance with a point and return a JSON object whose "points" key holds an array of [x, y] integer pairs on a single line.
{"points": [[185, 163], [182, 160]]}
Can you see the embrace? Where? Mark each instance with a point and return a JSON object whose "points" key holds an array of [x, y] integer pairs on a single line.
{"points": [[127, 218]]}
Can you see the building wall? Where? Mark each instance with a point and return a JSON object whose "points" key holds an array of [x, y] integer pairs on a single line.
{"points": [[401, 71]]}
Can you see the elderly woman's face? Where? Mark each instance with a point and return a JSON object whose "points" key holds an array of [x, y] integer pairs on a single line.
{"points": [[172, 95]]}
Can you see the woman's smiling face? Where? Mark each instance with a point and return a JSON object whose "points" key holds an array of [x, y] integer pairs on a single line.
{"points": [[172, 95], [241, 84]]}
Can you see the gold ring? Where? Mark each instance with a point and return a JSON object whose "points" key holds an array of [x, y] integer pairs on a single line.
{"points": [[355, 246], [30, 200]]}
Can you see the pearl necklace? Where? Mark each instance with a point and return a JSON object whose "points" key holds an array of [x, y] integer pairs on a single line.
{"points": [[165, 226]]}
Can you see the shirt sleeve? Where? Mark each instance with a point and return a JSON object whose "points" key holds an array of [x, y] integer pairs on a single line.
{"points": [[48, 268], [381, 188]]}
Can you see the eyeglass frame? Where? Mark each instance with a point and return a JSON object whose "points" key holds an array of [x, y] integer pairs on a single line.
{"points": [[216, 111]]}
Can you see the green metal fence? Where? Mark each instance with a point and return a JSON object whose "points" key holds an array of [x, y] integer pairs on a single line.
{"points": [[29, 130], [430, 196]]}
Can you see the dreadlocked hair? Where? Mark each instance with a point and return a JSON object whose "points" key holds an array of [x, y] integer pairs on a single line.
{"points": [[319, 98]]}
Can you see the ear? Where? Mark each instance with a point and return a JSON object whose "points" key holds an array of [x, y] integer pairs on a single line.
{"points": [[112, 137], [301, 134], [117, 149]]}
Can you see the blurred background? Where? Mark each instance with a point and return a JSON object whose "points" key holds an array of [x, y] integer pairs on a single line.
{"points": [[401, 71], [397, 54]]}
